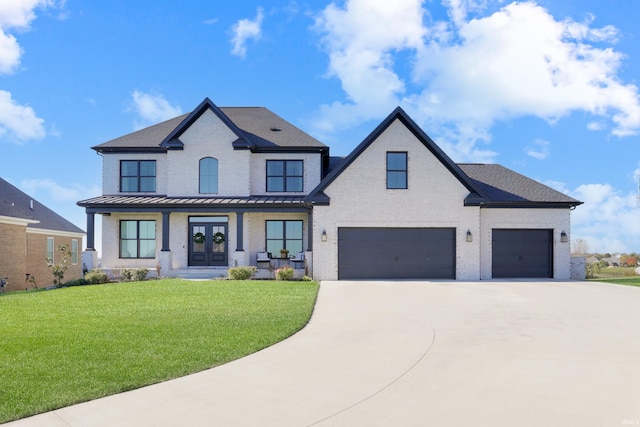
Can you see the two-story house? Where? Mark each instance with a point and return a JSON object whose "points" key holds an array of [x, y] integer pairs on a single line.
{"points": [[214, 188]]}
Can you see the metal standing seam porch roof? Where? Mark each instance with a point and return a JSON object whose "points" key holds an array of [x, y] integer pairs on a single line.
{"points": [[155, 203]]}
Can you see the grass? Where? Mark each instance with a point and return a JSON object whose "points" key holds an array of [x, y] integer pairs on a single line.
{"points": [[629, 281], [75, 344]]}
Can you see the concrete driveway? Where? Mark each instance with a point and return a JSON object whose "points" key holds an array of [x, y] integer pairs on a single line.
{"points": [[416, 354]]}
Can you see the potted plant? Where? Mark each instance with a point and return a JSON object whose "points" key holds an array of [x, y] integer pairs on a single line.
{"points": [[284, 253]]}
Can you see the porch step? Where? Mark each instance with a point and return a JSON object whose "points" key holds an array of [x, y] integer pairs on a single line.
{"points": [[199, 273]]}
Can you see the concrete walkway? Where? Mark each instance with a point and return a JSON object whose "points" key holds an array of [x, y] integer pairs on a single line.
{"points": [[416, 354]]}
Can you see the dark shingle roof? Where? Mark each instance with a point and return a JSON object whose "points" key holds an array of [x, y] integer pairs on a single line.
{"points": [[257, 127], [16, 204], [504, 186]]}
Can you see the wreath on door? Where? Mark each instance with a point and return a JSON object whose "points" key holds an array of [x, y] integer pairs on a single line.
{"points": [[218, 238], [198, 238]]}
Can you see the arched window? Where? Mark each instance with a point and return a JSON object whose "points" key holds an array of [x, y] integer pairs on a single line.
{"points": [[208, 175]]}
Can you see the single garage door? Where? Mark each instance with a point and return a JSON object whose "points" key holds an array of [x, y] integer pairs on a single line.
{"points": [[396, 253], [522, 253]]}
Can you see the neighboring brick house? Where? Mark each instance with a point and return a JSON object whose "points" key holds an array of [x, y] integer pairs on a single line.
{"points": [[31, 233], [396, 207]]}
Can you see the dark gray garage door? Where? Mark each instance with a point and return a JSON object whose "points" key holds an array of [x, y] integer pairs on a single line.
{"points": [[522, 253], [396, 253]]}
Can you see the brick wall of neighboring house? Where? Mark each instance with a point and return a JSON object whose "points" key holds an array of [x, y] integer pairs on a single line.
{"points": [[12, 255], [36, 264]]}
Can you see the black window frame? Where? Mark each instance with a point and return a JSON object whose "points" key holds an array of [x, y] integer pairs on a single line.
{"points": [[284, 238], [139, 176], [404, 171], [137, 239], [285, 177]]}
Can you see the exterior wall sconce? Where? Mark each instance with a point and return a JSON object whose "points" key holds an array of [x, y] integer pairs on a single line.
{"points": [[563, 237], [469, 237], [323, 236]]}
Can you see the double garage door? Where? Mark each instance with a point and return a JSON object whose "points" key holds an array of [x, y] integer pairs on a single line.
{"points": [[430, 253], [396, 253]]}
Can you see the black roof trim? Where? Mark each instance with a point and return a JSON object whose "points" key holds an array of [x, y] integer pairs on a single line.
{"points": [[399, 114], [129, 149], [172, 141]]}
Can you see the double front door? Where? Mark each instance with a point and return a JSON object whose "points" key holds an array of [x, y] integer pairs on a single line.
{"points": [[208, 244]]}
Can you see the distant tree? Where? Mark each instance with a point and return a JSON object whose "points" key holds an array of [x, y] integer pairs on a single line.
{"points": [[631, 261], [579, 247]]}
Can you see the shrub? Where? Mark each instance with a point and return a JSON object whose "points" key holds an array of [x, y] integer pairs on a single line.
{"points": [[126, 275], [141, 274], [241, 273], [78, 282], [284, 273], [96, 276], [306, 279]]}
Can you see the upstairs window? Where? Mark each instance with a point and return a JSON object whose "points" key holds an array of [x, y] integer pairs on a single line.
{"points": [[138, 176], [285, 175], [208, 175], [396, 170]]}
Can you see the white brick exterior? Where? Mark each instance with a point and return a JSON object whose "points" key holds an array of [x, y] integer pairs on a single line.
{"points": [[359, 198], [554, 219], [434, 198]]}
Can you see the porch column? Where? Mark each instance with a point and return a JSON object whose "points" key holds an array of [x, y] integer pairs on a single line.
{"points": [[165, 232], [309, 231], [239, 231], [91, 231]]}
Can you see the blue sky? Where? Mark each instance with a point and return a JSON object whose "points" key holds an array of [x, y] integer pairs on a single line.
{"points": [[548, 89]]}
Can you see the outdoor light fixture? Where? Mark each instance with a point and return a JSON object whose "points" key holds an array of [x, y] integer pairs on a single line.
{"points": [[563, 237], [323, 236], [469, 236]]}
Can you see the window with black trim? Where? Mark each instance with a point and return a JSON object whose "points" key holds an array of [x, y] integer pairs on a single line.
{"points": [[285, 175], [396, 169], [285, 234], [208, 175], [137, 239], [138, 176]]}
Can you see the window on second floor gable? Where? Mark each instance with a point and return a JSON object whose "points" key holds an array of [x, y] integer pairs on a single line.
{"points": [[285, 175], [138, 176], [208, 175], [397, 170]]}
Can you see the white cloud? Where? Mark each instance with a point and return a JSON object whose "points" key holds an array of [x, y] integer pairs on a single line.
{"points": [[609, 219], [15, 15], [467, 74], [57, 192], [18, 123], [539, 149], [360, 40], [246, 29], [152, 108]]}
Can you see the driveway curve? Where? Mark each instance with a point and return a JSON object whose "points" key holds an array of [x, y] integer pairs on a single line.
{"points": [[495, 353]]}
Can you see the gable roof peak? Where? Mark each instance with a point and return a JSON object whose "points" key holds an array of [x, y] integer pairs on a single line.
{"points": [[400, 114], [172, 141]]}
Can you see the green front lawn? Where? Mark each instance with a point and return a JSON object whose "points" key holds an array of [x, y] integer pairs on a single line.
{"points": [[630, 281], [75, 344]]}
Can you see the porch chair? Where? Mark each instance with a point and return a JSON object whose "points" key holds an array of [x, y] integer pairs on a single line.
{"points": [[299, 258], [263, 257]]}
